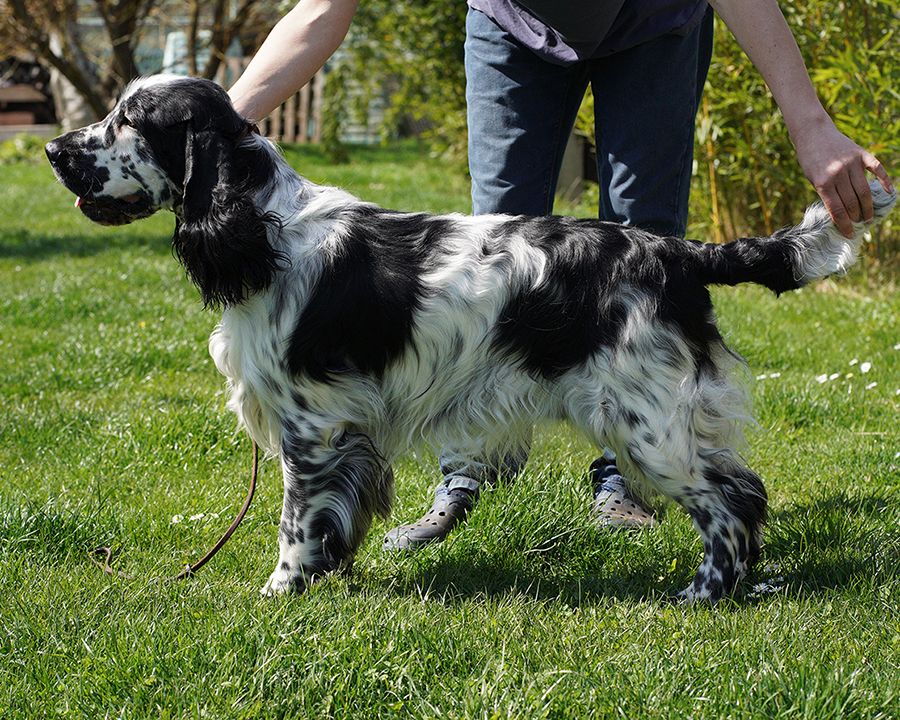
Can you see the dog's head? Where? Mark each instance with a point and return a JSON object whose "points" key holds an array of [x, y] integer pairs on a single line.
{"points": [[176, 143]]}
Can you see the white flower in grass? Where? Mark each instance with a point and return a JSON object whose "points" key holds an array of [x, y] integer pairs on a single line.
{"points": [[767, 587], [854, 361], [834, 376], [897, 346], [822, 378], [198, 516], [774, 375], [176, 519], [865, 367], [871, 385]]}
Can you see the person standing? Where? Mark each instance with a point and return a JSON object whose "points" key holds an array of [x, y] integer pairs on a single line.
{"points": [[528, 64]]}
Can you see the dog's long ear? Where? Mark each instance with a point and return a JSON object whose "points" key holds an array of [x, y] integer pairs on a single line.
{"points": [[220, 236]]}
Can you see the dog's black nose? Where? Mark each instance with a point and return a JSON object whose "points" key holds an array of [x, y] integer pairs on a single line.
{"points": [[55, 151]]}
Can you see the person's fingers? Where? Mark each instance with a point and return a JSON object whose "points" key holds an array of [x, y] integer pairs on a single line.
{"points": [[861, 189], [836, 209], [848, 195], [877, 169]]}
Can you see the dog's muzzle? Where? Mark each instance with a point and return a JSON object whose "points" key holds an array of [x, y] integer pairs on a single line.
{"points": [[77, 175]]}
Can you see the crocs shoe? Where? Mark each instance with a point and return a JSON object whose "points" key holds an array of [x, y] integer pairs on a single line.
{"points": [[614, 507], [450, 507]]}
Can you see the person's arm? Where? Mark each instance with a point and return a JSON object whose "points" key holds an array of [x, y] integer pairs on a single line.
{"points": [[292, 53], [834, 164]]}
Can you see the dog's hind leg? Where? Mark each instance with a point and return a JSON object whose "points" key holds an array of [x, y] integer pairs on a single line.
{"points": [[727, 503], [679, 436], [728, 507], [725, 499], [334, 482]]}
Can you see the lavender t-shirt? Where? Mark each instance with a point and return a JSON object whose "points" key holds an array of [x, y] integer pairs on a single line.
{"points": [[568, 31]]}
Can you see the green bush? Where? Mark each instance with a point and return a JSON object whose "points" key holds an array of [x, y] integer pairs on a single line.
{"points": [[413, 51], [747, 178], [22, 148]]}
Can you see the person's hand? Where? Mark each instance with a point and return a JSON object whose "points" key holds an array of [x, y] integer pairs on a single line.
{"points": [[836, 166]]}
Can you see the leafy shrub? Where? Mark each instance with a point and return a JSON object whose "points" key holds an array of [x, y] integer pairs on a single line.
{"points": [[747, 178], [413, 51], [22, 148]]}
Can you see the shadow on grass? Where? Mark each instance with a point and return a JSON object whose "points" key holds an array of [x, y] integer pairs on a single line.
{"points": [[50, 532], [833, 542], [456, 580], [583, 565], [840, 503], [21, 243], [829, 544]]}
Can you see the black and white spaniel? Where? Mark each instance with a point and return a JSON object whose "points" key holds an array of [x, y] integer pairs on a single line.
{"points": [[350, 333]]}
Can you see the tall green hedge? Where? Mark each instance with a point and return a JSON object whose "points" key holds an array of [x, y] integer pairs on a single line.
{"points": [[747, 177]]}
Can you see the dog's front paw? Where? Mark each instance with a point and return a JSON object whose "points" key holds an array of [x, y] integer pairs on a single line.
{"points": [[693, 596], [284, 580]]}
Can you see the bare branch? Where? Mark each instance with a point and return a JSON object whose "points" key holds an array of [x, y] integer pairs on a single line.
{"points": [[224, 34], [193, 31], [39, 42]]}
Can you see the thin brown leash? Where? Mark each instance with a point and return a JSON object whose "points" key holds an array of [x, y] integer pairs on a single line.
{"points": [[105, 552]]}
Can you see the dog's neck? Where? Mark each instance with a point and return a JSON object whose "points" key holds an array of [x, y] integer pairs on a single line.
{"points": [[279, 189]]}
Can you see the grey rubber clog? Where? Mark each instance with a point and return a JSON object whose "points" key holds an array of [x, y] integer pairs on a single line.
{"points": [[613, 505], [449, 508]]}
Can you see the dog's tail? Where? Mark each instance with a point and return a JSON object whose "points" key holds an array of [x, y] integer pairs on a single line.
{"points": [[793, 256]]}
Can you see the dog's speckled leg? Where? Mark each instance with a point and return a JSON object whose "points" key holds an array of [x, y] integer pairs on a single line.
{"points": [[334, 481]]}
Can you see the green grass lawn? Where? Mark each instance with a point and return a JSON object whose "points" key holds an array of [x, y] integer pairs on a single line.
{"points": [[113, 424]]}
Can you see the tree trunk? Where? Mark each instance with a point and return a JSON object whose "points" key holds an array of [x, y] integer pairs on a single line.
{"points": [[72, 107], [120, 20]]}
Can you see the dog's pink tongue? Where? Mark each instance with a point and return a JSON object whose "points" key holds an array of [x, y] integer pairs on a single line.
{"points": [[78, 201]]}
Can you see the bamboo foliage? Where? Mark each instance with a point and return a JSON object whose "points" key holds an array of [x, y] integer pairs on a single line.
{"points": [[753, 183]]}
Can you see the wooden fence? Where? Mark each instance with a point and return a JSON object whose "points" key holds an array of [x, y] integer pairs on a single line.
{"points": [[298, 119]]}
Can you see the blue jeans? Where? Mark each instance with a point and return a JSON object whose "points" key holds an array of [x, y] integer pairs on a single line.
{"points": [[521, 110]]}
